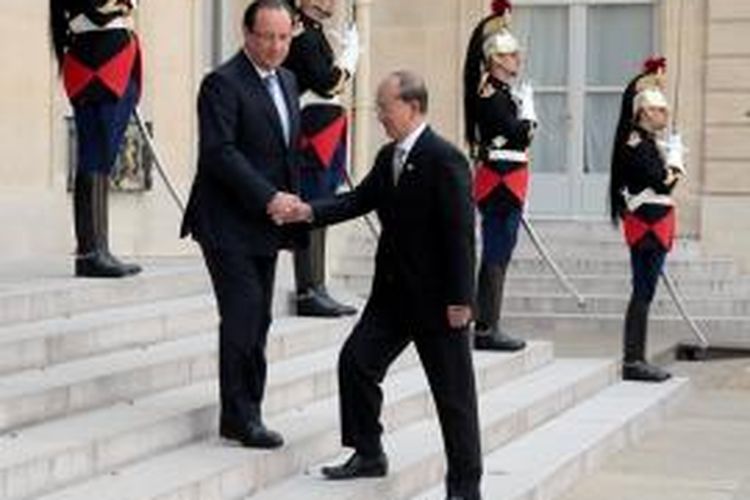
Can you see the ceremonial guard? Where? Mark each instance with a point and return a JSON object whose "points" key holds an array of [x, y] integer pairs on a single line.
{"points": [[322, 79], [646, 165], [500, 120], [100, 61]]}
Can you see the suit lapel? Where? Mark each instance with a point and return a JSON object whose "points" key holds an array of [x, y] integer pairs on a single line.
{"points": [[413, 159]]}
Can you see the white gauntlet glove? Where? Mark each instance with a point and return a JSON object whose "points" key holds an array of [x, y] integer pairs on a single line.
{"points": [[675, 152], [525, 94], [350, 53]]}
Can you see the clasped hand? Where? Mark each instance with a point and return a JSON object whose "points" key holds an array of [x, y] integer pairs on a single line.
{"points": [[286, 208]]}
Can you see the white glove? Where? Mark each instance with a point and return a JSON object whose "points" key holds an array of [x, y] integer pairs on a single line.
{"points": [[350, 53], [525, 95], [675, 150]]}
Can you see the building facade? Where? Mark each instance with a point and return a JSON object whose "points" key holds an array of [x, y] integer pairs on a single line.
{"points": [[579, 55]]}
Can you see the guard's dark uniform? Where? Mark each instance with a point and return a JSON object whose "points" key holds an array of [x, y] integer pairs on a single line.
{"points": [[640, 198], [499, 139], [101, 69], [502, 173], [324, 145]]}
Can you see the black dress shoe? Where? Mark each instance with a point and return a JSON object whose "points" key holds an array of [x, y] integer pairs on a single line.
{"points": [[99, 265], [644, 372], [312, 303], [343, 309], [496, 340], [252, 436], [358, 466], [128, 268]]}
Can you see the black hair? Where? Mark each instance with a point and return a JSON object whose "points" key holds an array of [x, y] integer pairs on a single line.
{"points": [[617, 169], [59, 32], [251, 13], [472, 75]]}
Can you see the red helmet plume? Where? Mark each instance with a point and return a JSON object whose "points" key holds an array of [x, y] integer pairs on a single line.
{"points": [[655, 65], [499, 7]]}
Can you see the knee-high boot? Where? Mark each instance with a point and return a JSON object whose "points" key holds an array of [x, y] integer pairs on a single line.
{"points": [[90, 206], [634, 365], [487, 333]]}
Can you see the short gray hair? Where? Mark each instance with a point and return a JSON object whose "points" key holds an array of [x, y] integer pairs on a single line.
{"points": [[412, 88]]}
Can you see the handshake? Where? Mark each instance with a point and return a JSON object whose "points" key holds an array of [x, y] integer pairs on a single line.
{"points": [[287, 208]]}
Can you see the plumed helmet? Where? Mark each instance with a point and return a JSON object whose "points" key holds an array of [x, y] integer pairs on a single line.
{"points": [[502, 42], [491, 36], [650, 97]]}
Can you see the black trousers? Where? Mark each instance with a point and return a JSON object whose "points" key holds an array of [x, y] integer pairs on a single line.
{"points": [[243, 285], [373, 345], [646, 263]]}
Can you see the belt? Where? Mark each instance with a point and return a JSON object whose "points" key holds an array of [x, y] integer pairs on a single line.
{"points": [[82, 24], [507, 155], [310, 98], [633, 201]]}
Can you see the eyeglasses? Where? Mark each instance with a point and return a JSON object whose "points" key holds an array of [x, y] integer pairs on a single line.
{"points": [[273, 37]]}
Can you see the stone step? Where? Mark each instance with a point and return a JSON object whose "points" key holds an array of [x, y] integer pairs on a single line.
{"points": [[40, 344], [60, 295], [353, 265], [52, 454], [544, 463], [556, 235], [718, 329], [416, 461], [564, 230], [556, 249], [596, 304], [32, 396], [55, 294], [595, 284], [212, 469]]}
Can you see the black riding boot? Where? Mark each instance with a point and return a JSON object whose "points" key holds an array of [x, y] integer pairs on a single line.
{"points": [[487, 332], [634, 365], [90, 208], [309, 270]]}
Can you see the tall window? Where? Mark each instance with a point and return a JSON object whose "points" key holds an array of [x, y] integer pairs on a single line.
{"points": [[580, 54], [618, 37]]}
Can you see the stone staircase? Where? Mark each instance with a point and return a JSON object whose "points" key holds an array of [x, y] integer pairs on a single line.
{"points": [[108, 391], [592, 255]]}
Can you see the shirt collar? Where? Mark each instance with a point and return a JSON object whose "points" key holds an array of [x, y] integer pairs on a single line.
{"points": [[407, 143], [262, 73]]}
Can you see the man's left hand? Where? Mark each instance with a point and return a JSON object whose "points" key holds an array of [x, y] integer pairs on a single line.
{"points": [[459, 316]]}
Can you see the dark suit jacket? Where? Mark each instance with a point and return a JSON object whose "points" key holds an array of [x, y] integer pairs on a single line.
{"points": [[243, 160], [425, 255]]}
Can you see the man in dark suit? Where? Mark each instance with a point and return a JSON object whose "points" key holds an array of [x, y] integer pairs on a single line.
{"points": [[248, 124], [422, 291]]}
